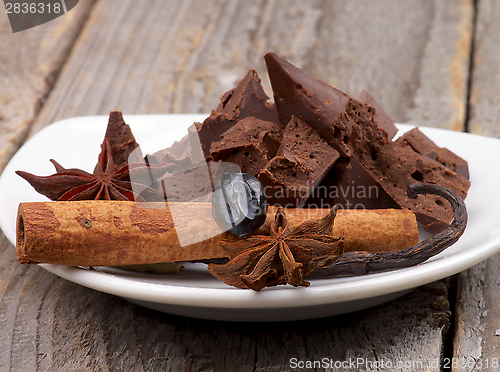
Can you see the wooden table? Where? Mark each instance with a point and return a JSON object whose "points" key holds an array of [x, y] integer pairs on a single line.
{"points": [[431, 63]]}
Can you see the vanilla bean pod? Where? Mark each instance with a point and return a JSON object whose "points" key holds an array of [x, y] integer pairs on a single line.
{"points": [[361, 263]]}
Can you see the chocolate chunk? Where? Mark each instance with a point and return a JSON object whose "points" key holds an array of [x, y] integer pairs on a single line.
{"points": [[302, 144], [313, 101], [365, 134], [248, 99], [382, 120], [421, 144], [395, 166], [303, 160], [349, 185], [284, 182], [250, 144]]}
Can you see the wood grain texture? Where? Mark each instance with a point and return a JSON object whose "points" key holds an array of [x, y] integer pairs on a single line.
{"points": [[477, 337], [177, 57], [412, 57], [485, 79], [30, 62]]}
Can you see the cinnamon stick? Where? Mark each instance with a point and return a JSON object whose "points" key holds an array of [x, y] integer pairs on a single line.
{"points": [[117, 233]]}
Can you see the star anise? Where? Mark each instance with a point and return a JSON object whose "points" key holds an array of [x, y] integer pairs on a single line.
{"points": [[120, 173], [106, 183], [285, 256]]}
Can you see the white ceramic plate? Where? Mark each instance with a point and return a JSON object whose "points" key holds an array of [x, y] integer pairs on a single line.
{"points": [[75, 143]]}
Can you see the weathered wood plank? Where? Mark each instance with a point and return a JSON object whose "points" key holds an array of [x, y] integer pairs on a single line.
{"points": [[413, 57], [485, 96], [180, 56], [30, 62], [477, 337]]}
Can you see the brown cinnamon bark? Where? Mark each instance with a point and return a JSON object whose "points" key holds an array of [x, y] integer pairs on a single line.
{"points": [[117, 233]]}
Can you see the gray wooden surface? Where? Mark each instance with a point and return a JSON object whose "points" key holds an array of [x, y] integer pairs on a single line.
{"points": [[172, 56], [477, 336]]}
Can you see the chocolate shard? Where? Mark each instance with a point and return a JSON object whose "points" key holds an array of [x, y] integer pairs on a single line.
{"points": [[396, 165], [302, 162], [247, 99], [365, 135], [250, 144], [349, 185], [381, 118], [312, 101], [423, 145]]}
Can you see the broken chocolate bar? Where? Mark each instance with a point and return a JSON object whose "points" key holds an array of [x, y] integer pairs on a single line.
{"points": [[381, 118], [422, 144], [395, 166], [250, 143], [349, 185], [248, 99], [302, 162], [312, 101], [334, 150], [349, 127]]}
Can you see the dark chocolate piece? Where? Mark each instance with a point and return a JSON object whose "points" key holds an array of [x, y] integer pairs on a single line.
{"points": [[302, 144], [349, 185], [365, 135], [303, 160], [313, 101], [395, 166], [250, 144], [381, 118], [284, 182], [422, 144], [248, 99]]}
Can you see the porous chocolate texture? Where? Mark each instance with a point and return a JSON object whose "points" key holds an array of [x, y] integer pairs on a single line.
{"points": [[247, 99], [396, 165], [381, 118], [301, 163], [351, 128], [250, 144], [423, 145], [349, 184]]}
